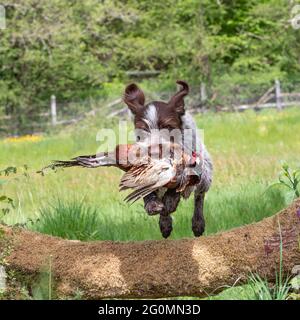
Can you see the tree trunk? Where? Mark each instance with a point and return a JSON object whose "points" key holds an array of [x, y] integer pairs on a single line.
{"points": [[165, 268]]}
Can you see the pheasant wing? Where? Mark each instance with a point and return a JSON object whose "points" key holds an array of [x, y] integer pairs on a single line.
{"points": [[147, 178]]}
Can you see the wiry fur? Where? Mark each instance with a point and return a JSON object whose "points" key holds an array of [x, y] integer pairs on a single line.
{"points": [[197, 143], [151, 117], [172, 115]]}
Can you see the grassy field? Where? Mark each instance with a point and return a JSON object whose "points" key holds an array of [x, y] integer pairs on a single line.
{"points": [[247, 150]]}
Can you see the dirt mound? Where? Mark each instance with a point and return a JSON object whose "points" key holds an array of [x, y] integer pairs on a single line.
{"points": [[163, 268]]}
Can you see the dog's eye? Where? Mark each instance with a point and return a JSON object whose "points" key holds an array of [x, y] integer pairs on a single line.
{"points": [[142, 126]]}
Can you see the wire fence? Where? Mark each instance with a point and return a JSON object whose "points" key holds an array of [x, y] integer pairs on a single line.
{"points": [[200, 99]]}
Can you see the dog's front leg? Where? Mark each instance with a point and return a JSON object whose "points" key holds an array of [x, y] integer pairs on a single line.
{"points": [[152, 204], [170, 200], [198, 221]]}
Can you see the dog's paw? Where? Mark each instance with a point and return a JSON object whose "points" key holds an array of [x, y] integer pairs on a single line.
{"points": [[198, 227], [165, 225], [153, 207]]}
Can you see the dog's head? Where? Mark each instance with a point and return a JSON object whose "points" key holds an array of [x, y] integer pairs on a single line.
{"points": [[156, 114]]}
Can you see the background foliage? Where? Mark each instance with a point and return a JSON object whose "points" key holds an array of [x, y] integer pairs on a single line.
{"points": [[79, 49]]}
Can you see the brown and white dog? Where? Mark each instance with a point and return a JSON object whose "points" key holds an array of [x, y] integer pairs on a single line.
{"points": [[158, 116]]}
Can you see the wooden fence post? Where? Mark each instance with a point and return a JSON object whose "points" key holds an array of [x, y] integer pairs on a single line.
{"points": [[203, 93], [53, 110], [278, 95]]}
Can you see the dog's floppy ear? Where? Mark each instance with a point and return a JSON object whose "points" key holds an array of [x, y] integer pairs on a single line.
{"points": [[134, 98], [177, 101]]}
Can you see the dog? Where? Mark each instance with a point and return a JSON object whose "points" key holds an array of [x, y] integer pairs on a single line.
{"points": [[157, 116]]}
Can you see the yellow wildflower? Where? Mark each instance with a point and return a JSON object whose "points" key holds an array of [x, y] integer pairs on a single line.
{"points": [[26, 138]]}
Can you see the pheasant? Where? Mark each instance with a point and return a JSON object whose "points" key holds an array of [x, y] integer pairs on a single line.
{"points": [[147, 168], [177, 171]]}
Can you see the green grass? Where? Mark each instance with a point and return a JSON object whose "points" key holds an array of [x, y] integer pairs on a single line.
{"points": [[262, 290], [69, 220], [247, 149], [72, 219]]}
